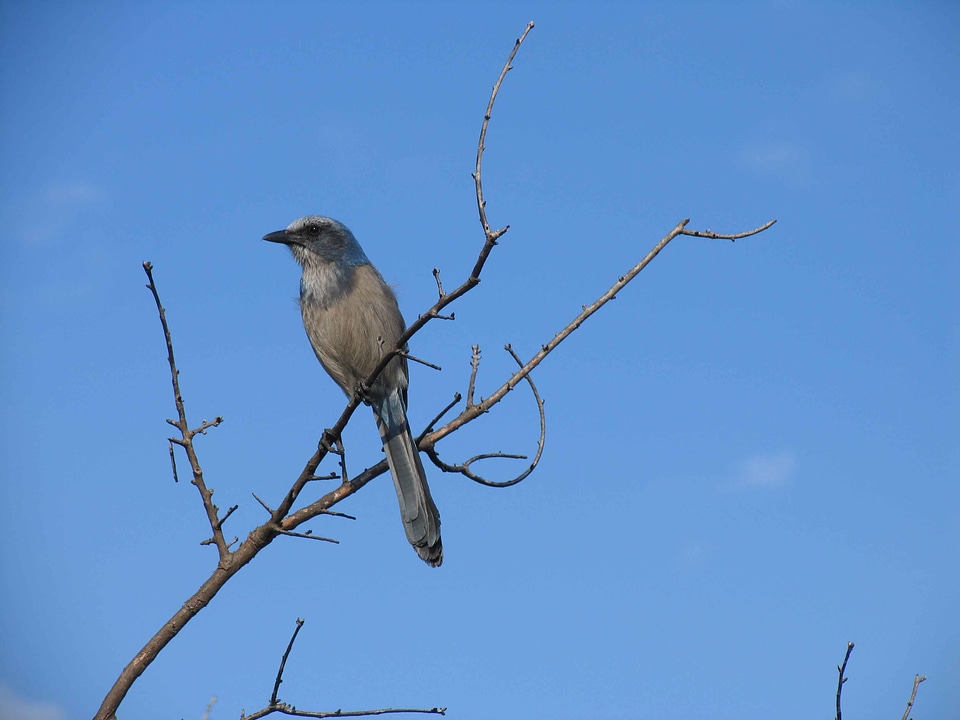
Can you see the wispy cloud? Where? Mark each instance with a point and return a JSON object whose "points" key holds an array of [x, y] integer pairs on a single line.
{"points": [[71, 195], [14, 707], [56, 208], [857, 86], [772, 470], [779, 159]]}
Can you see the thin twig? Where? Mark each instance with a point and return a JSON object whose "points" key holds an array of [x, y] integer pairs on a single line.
{"points": [[173, 461], [308, 535], [206, 713], [841, 680], [720, 236], [471, 412], [204, 426], [263, 504], [222, 520], [415, 359], [917, 679], [342, 453], [481, 146], [334, 513], [464, 467], [283, 662], [449, 406], [474, 368], [187, 435], [286, 709]]}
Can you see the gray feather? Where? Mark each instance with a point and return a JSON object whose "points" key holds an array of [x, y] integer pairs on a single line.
{"points": [[421, 519]]}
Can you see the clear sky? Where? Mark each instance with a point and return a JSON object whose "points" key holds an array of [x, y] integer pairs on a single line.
{"points": [[752, 454]]}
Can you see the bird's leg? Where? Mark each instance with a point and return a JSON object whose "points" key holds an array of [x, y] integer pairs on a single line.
{"points": [[330, 442], [362, 392]]}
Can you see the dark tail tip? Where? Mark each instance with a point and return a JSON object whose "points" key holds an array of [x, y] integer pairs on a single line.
{"points": [[432, 555]]}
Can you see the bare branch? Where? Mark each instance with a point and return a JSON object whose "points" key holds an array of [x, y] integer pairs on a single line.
{"points": [[473, 411], [283, 661], [415, 359], [474, 369], [204, 426], [841, 679], [481, 146], [719, 236], [187, 435], [334, 513], [464, 467], [222, 520], [206, 713], [266, 507], [457, 397], [471, 282], [308, 535], [173, 461], [328, 476], [917, 679], [287, 709]]}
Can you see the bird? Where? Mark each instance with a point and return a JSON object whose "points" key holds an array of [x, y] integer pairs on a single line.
{"points": [[351, 317]]}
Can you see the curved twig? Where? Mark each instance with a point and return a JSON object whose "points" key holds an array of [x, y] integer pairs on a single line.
{"points": [[720, 236], [841, 669], [491, 235], [464, 467]]}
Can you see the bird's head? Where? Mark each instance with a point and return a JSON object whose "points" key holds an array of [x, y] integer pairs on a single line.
{"points": [[316, 238]]}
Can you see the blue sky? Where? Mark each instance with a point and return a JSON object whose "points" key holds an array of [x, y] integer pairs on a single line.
{"points": [[752, 454]]}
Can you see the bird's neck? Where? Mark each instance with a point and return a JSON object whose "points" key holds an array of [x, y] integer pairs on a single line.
{"points": [[323, 283]]}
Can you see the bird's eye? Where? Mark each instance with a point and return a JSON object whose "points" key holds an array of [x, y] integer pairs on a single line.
{"points": [[313, 229]]}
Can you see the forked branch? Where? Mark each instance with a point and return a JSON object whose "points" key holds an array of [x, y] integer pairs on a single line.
{"points": [[277, 706]]}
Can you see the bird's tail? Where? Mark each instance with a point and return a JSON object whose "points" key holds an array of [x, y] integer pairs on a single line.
{"points": [[421, 519]]}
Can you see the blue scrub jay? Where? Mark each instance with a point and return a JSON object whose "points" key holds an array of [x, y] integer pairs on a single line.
{"points": [[351, 317]]}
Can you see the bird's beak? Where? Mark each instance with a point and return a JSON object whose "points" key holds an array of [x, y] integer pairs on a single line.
{"points": [[281, 236]]}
